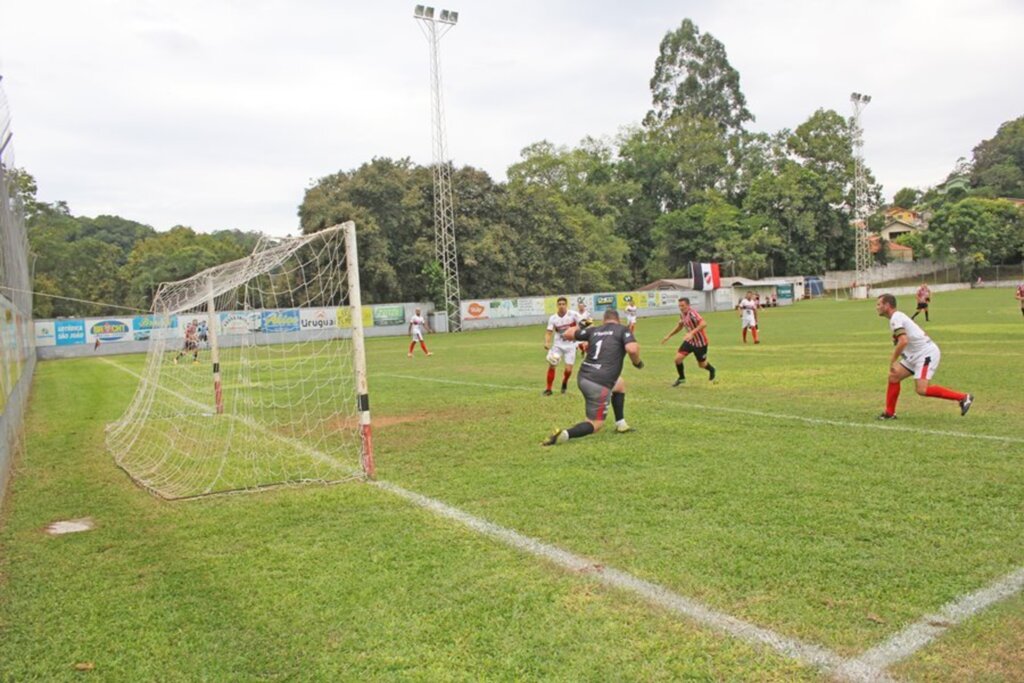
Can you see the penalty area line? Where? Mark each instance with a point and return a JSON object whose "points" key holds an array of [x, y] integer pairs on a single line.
{"points": [[931, 626], [807, 654], [754, 413]]}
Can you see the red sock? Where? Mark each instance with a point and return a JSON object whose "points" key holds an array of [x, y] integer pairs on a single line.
{"points": [[942, 392], [744, 335], [551, 377], [412, 346], [891, 395], [754, 332], [423, 345], [566, 375]]}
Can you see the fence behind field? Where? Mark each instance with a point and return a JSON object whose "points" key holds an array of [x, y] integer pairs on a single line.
{"points": [[17, 358]]}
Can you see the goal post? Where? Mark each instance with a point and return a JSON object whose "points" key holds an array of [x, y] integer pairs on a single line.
{"points": [[280, 333]]}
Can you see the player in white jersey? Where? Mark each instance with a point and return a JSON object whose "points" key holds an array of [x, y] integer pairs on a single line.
{"points": [[748, 316], [584, 319], [418, 327], [915, 354], [558, 347], [631, 314]]}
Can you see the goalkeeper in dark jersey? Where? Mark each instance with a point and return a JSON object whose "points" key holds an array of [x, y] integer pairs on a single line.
{"points": [[600, 375]]}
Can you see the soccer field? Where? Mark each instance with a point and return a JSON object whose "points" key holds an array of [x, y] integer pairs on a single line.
{"points": [[764, 527]]}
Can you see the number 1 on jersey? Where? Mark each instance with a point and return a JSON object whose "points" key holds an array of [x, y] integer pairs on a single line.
{"points": [[597, 348]]}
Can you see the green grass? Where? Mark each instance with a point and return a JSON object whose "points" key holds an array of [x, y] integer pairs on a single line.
{"points": [[839, 534]]}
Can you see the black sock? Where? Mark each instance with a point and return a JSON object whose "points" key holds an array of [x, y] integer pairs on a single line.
{"points": [[710, 368], [915, 315], [618, 404], [582, 429], [679, 369]]}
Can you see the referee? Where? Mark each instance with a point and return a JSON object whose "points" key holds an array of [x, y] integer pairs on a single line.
{"points": [[609, 345]]}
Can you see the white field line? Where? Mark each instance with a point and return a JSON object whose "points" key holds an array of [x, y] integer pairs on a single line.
{"points": [[932, 626], [757, 413], [805, 653]]}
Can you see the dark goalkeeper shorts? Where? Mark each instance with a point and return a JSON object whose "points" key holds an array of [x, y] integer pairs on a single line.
{"points": [[921, 305], [596, 397], [699, 352]]}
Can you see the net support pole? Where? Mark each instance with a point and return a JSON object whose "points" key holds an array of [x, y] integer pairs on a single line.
{"points": [[211, 336], [359, 350]]}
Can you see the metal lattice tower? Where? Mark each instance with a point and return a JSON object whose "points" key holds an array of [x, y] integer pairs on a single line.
{"points": [[444, 214], [862, 241]]}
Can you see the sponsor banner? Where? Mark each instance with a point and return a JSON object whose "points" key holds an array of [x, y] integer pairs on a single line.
{"points": [[529, 306], [389, 315], [108, 330], [602, 302], [669, 297], [344, 316], [46, 334], [318, 318], [69, 332], [143, 326], [551, 302], [475, 310], [785, 294], [502, 308], [281, 320], [240, 322], [653, 299], [638, 299]]}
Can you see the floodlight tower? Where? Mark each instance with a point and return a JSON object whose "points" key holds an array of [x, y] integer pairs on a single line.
{"points": [[862, 242], [434, 28]]}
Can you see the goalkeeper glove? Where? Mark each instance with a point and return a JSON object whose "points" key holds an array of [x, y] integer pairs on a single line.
{"points": [[639, 365]]}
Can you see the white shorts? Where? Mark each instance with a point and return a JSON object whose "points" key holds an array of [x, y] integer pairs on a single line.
{"points": [[749, 322], [630, 320], [559, 352], [923, 365], [417, 335]]}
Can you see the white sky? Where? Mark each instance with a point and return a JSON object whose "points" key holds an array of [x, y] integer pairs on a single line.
{"points": [[219, 113]]}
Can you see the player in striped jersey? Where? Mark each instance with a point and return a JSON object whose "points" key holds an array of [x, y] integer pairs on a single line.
{"points": [[695, 341], [1020, 296], [915, 355]]}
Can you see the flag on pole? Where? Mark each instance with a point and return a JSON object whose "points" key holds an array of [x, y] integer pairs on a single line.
{"points": [[705, 276]]}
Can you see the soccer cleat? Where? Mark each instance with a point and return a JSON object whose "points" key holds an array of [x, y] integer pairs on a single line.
{"points": [[564, 388], [556, 438], [175, 361], [711, 375], [622, 427], [547, 392], [430, 353], [887, 416], [410, 354], [965, 404], [681, 380]]}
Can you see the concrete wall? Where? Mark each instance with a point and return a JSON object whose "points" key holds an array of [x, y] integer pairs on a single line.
{"points": [[11, 424], [841, 279]]}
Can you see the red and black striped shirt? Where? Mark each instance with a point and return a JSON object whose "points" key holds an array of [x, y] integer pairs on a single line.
{"points": [[691, 320]]}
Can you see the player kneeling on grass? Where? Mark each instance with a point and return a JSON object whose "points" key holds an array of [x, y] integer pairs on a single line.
{"points": [[600, 375], [915, 354]]}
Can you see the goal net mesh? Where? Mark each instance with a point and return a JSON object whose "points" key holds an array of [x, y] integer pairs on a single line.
{"points": [[277, 325]]}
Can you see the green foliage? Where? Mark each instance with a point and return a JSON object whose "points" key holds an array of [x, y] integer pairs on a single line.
{"points": [[978, 232], [916, 241], [999, 162], [693, 77], [906, 198]]}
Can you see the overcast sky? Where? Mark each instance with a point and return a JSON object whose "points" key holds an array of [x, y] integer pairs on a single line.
{"points": [[219, 113]]}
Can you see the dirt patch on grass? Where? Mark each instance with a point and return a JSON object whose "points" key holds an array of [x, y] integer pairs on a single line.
{"points": [[346, 423]]}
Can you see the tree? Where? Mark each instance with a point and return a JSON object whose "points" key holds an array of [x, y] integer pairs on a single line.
{"points": [[692, 76], [978, 232], [906, 198], [999, 162]]}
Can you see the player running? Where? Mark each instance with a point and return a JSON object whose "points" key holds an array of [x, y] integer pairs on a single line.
{"points": [[600, 375], [631, 314], [418, 327], [558, 346], [924, 297], [583, 319], [915, 354], [191, 342], [748, 316], [695, 341]]}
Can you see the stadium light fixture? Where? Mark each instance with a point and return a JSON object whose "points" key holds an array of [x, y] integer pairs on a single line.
{"points": [[418, 12]]}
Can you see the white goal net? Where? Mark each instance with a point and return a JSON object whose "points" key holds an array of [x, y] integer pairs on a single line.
{"points": [[254, 376]]}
